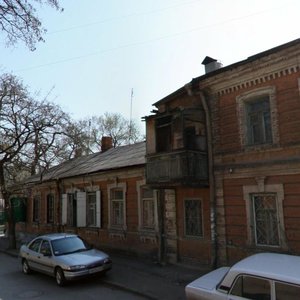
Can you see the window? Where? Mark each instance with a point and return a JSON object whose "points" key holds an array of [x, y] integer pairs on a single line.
{"points": [[117, 207], [258, 120], [71, 210], [193, 218], [36, 208], [265, 219], [35, 245], [45, 248], [91, 209], [252, 288], [147, 208], [50, 208], [81, 209], [286, 291], [259, 130]]}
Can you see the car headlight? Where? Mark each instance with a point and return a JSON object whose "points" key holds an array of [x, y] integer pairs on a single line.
{"points": [[107, 261], [76, 268]]}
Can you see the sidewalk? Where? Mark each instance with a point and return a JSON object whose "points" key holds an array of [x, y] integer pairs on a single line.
{"points": [[141, 277]]}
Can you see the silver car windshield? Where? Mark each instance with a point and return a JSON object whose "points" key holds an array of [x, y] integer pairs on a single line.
{"points": [[69, 245]]}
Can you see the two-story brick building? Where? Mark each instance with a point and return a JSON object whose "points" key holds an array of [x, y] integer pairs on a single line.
{"points": [[249, 115]]}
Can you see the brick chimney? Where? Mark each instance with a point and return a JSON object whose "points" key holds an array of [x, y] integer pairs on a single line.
{"points": [[106, 143]]}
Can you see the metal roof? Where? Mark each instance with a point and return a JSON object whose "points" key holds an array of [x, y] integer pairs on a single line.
{"points": [[114, 158]]}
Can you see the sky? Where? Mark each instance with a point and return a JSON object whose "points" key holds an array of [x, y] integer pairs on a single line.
{"points": [[122, 56]]}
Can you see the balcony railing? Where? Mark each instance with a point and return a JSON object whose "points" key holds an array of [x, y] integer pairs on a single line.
{"points": [[185, 167]]}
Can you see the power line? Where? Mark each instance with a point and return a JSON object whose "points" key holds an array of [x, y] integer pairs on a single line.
{"points": [[99, 52], [122, 17]]}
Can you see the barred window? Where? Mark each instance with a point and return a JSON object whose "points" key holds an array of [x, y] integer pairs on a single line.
{"points": [[50, 208], [265, 216], [193, 218]]}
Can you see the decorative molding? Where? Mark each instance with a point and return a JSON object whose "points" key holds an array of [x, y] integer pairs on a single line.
{"points": [[250, 83]]}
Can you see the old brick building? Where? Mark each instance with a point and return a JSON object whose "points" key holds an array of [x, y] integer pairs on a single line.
{"points": [[248, 114], [102, 196], [219, 177]]}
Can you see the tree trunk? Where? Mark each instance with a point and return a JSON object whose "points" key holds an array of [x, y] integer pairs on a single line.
{"points": [[11, 230]]}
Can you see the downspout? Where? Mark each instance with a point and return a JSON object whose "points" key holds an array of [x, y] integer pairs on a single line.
{"points": [[211, 177]]}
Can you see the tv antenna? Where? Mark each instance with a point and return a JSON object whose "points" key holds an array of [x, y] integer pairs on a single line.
{"points": [[130, 118]]}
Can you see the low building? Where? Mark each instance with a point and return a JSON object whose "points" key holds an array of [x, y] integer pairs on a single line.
{"points": [[102, 196]]}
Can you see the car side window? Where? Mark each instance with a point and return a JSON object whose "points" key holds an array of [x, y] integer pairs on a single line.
{"points": [[251, 287], [35, 245], [45, 248], [286, 291]]}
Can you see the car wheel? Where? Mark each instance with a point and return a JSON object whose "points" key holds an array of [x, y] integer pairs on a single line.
{"points": [[25, 267], [60, 277]]}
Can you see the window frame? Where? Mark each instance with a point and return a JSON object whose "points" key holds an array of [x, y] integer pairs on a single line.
{"points": [[142, 185], [262, 188], [201, 225], [251, 97], [255, 220], [242, 276], [110, 188]]}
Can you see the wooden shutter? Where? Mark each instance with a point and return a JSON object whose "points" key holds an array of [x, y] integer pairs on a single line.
{"points": [[98, 209], [64, 201], [81, 209]]}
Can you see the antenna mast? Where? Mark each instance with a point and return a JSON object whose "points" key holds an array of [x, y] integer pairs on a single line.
{"points": [[130, 118]]}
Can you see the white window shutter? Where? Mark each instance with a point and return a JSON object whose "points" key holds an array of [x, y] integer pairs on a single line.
{"points": [[64, 201], [98, 209], [81, 209]]}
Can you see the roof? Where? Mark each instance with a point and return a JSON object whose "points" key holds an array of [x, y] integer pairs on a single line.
{"points": [[114, 158], [195, 81], [277, 266]]}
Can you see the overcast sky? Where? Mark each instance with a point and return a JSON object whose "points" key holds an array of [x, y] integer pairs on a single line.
{"points": [[97, 51]]}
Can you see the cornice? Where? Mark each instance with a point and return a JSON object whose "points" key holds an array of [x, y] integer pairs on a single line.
{"points": [[254, 73]]}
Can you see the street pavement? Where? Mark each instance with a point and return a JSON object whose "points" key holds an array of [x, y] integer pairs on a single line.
{"points": [[141, 277]]}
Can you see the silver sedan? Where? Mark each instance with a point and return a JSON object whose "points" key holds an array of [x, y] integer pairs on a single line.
{"points": [[64, 256]]}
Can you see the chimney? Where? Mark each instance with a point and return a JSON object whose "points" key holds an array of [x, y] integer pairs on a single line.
{"points": [[106, 143], [211, 64], [78, 152]]}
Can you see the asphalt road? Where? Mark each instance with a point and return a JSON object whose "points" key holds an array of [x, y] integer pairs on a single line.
{"points": [[15, 285]]}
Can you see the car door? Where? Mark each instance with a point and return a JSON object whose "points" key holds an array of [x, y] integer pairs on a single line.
{"points": [[45, 258], [32, 254]]}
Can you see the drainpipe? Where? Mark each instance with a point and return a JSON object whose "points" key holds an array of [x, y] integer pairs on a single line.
{"points": [[212, 197]]}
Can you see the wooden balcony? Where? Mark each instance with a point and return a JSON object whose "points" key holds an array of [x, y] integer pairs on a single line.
{"points": [[187, 167]]}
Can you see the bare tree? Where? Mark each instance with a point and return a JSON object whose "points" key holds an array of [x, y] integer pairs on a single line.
{"points": [[114, 125], [19, 21], [31, 138], [16, 113]]}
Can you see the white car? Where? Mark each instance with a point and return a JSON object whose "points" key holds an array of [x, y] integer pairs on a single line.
{"points": [[264, 276]]}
